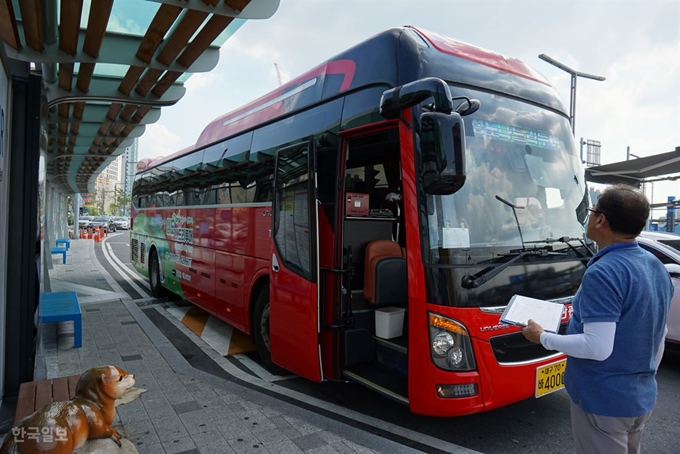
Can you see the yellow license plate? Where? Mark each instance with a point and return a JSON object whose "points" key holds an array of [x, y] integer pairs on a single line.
{"points": [[550, 378]]}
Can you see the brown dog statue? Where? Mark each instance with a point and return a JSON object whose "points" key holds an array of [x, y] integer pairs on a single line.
{"points": [[62, 427]]}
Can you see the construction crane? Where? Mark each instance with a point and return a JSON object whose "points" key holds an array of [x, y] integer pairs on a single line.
{"points": [[278, 73]]}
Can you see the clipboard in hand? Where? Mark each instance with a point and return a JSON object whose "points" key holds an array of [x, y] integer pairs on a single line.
{"points": [[521, 308]]}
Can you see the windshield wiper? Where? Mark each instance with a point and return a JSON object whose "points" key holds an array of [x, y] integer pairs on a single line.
{"points": [[567, 240], [475, 280], [471, 281], [514, 211]]}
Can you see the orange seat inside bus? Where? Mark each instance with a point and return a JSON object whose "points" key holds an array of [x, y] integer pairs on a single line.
{"points": [[385, 274]]}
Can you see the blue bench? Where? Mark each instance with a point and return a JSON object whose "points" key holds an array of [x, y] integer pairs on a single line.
{"points": [[60, 250], [65, 241], [62, 307]]}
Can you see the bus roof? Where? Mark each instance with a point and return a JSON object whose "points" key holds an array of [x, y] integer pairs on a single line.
{"points": [[482, 56], [272, 105], [374, 61], [145, 164], [390, 58]]}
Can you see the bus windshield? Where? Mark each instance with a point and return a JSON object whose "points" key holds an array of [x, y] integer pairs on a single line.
{"points": [[523, 154]]}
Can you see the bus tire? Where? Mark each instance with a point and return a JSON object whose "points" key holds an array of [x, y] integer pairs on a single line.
{"points": [[261, 331], [157, 289]]}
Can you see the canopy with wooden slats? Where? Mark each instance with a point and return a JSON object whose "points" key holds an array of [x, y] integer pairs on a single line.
{"points": [[93, 114]]}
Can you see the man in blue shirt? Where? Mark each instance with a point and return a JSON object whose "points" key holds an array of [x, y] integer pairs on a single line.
{"points": [[615, 338]]}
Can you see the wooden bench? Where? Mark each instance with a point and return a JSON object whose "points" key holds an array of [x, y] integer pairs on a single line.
{"points": [[65, 241], [60, 250], [62, 307], [34, 395]]}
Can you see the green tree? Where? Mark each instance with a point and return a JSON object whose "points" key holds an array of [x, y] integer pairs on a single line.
{"points": [[121, 202], [100, 200]]}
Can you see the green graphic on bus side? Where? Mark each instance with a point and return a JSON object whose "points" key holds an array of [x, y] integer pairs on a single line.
{"points": [[152, 229]]}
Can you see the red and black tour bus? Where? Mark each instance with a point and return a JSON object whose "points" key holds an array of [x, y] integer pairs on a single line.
{"points": [[370, 220]]}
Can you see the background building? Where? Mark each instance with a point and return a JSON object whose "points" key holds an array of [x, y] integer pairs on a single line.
{"points": [[117, 176], [105, 186], [130, 166]]}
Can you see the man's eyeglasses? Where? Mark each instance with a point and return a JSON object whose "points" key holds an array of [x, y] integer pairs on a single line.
{"points": [[589, 210]]}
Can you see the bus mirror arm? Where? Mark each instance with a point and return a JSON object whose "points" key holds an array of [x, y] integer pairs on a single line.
{"points": [[396, 99], [468, 107]]}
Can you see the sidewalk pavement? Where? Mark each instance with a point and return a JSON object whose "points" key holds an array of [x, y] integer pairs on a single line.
{"points": [[185, 410]]}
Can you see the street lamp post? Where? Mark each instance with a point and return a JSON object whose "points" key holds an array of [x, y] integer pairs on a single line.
{"points": [[574, 75], [629, 154]]}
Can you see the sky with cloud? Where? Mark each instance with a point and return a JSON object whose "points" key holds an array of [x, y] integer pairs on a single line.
{"points": [[634, 44]]}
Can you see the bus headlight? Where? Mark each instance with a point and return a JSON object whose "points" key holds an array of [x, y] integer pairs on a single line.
{"points": [[455, 356], [451, 348], [442, 343]]}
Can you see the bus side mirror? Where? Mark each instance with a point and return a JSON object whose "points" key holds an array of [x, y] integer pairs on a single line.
{"points": [[442, 147], [395, 100]]}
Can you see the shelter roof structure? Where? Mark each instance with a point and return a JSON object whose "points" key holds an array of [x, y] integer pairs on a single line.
{"points": [[664, 166], [109, 66]]}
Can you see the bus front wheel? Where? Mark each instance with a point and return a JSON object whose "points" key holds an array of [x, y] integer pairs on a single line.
{"points": [[261, 331], [157, 289]]}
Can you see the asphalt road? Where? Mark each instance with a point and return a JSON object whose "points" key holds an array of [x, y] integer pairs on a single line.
{"points": [[532, 426]]}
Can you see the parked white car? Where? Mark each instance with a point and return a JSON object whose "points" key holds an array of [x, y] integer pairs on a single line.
{"points": [[84, 221], [666, 247], [122, 222]]}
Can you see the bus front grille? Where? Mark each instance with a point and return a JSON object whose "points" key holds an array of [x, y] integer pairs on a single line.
{"points": [[515, 348]]}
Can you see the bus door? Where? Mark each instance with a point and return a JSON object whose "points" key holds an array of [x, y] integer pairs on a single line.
{"points": [[294, 299]]}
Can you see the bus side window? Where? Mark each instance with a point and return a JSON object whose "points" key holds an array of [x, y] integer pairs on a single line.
{"points": [[222, 193], [162, 199], [209, 196], [263, 174], [193, 196], [250, 192], [238, 193], [176, 198], [263, 192]]}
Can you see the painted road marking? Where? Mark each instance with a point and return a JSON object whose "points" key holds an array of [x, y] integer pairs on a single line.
{"points": [[222, 337], [123, 271], [272, 386]]}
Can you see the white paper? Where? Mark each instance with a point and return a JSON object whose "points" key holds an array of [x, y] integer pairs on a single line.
{"points": [[455, 238], [521, 309]]}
